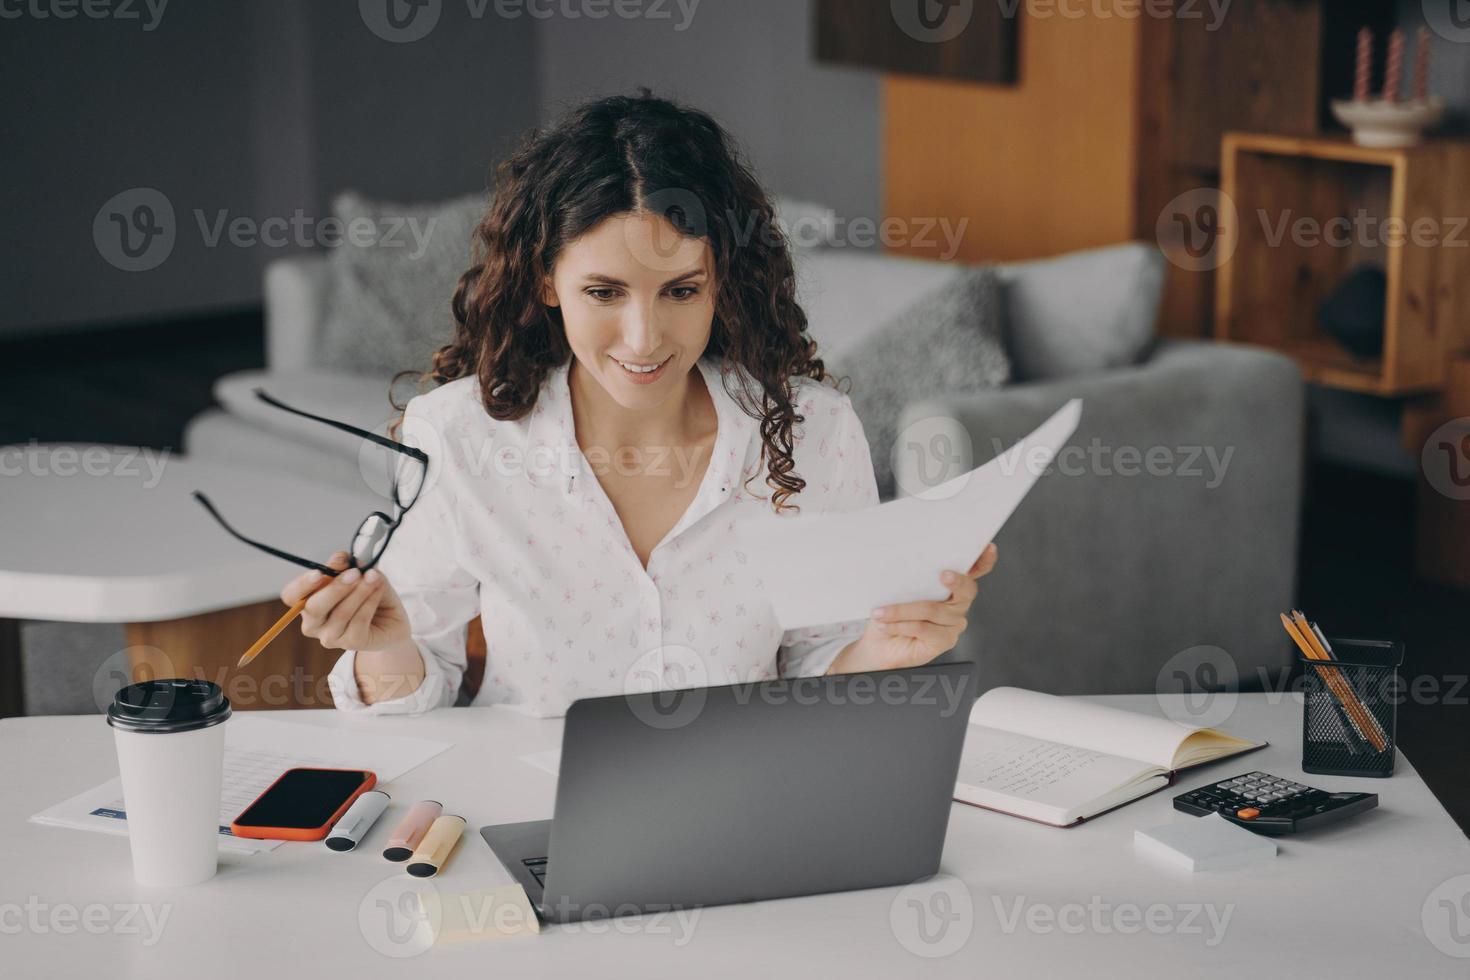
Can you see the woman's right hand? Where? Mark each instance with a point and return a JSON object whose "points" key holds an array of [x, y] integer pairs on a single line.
{"points": [[352, 611]]}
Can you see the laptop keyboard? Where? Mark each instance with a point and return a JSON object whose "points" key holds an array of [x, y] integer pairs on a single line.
{"points": [[537, 867]]}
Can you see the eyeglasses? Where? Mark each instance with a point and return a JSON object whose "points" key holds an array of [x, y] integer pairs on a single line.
{"points": [[376, 530]]}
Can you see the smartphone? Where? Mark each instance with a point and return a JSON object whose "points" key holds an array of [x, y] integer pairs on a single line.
{"points": [[302, 804]]}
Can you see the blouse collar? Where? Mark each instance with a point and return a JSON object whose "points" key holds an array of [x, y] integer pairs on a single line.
{"points": [[554, 460]]}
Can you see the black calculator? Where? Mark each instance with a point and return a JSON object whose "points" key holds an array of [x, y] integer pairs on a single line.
{"points": [[1272, 805]]}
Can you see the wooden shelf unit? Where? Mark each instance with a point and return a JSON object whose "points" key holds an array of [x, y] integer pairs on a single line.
{"points": [[1111, 118], [1406, 211]]}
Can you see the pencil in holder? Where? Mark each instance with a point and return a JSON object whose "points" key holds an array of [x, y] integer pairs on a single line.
{"points": [[1350, 709]]}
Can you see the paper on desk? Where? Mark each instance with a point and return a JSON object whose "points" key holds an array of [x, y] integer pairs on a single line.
{"points": [[485, 913], [257, 751], [832, 568]]}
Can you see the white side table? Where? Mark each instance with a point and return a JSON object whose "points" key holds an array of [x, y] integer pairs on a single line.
{"points": [[98, 534]]}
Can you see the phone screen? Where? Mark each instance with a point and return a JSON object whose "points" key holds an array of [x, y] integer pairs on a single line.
{"points": [[304, 798]]}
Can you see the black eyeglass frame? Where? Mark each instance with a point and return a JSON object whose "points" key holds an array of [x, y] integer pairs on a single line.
{"points": [[400, 507]]}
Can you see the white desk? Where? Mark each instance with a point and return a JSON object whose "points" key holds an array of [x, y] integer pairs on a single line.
{"points": [[1348, 901]]}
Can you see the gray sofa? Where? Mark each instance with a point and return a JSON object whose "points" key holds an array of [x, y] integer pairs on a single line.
{"points": [[1113, 579], [1104, 578]]}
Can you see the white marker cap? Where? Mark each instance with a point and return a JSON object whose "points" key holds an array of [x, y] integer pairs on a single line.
{"points": [[348, 832]]}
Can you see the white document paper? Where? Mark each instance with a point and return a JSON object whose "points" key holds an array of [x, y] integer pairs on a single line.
{"points": [[257, 751], [832, 568]]}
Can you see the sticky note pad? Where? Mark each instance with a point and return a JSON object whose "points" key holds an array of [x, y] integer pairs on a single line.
{"points": [[487, 913], [1209, 843]]}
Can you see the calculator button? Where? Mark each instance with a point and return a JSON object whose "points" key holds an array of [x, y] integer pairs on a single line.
{"points": [[1248, 813]]}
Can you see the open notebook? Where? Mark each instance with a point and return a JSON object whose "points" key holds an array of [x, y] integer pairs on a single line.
{"points": [[1061, 760]]}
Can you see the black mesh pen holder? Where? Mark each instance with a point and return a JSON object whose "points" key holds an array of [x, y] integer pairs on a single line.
{"points": [[1350, 708]]}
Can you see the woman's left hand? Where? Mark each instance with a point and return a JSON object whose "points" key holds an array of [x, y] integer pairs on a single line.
{"points": [[911, 633]]}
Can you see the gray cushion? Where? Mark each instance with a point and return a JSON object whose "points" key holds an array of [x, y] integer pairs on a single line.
{"points": [[388, 304], [850, 293], [1083, 312], [947, 341]]}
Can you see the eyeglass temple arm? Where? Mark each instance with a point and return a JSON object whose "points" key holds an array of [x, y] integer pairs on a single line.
{"points": [[373, 437], [296, 559]]}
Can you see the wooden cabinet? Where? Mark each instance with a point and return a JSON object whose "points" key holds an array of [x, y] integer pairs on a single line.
{"points": [[1113, 118], [1304, 212], [1270, 66]]}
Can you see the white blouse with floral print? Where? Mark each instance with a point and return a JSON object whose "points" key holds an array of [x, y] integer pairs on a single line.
{"points": [[512, 525]]}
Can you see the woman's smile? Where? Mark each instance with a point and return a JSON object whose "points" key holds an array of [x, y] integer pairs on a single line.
{"points": [[642, 372]]}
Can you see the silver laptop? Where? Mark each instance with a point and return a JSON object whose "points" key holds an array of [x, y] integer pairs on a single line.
{"points": [[709, 796]]}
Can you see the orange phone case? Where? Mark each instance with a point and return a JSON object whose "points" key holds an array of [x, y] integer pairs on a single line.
{"points": [[302, 833]]}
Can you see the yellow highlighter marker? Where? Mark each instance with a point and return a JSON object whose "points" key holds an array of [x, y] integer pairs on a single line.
{"points": [[436, 846]]}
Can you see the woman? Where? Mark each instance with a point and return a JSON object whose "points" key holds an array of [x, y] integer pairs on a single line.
{"points": [[630, 375]]}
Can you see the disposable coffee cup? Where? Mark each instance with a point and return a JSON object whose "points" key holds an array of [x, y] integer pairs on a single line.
{"points": [[170, 741]]}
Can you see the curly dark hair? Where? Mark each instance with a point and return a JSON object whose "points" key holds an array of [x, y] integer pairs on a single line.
{"points": [[616, 156]]}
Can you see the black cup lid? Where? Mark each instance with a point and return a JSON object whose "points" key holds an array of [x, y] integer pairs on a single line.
{"points": [[167, 706]]}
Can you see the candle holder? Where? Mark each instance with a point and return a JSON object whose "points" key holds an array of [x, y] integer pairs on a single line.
{"points": [[1382, 124]]}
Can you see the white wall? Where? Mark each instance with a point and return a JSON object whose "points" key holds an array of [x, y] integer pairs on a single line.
{"points": [[812, 131], [257, 109], [260, 109]]}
